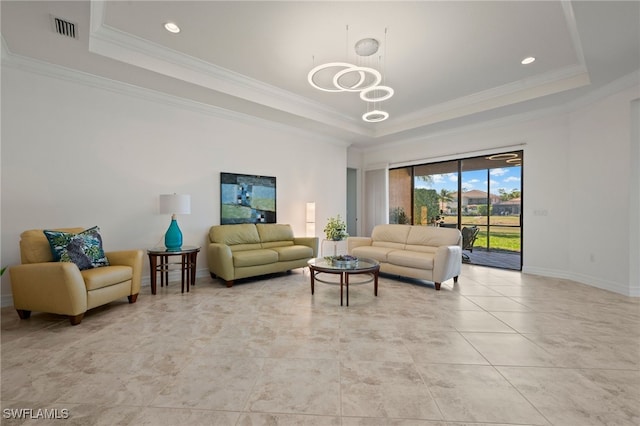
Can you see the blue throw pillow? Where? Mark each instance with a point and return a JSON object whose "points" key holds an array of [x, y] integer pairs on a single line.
{"points": [[84, 249]]}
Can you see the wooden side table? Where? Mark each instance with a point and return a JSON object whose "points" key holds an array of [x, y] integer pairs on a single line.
{"points": [[188, 256]]}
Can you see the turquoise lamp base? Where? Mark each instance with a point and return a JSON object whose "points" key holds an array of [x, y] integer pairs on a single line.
{"points": [[173, 237]]}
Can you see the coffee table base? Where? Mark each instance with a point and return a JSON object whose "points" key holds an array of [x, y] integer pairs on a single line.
{"points": [[344, 280]]}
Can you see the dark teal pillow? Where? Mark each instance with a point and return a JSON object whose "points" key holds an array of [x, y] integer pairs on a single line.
{"points": [[84, 249]]}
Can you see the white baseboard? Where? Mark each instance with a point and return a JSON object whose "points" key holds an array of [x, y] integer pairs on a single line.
{"points": [[585, 279]]}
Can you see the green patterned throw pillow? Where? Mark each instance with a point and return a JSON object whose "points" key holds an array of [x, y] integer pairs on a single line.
{"points": [[84, 249]]}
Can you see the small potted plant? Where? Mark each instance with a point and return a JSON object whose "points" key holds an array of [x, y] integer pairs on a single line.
{"points": [[336, 229]]}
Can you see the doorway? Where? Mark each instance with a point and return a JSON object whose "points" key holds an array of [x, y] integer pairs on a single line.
{"points": [[483, 194]]}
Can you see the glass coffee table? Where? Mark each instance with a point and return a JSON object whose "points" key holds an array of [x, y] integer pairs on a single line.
{"points": [[325, 265]]}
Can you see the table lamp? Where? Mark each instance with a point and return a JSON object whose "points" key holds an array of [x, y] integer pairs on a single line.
{"points": [[174, 204]]}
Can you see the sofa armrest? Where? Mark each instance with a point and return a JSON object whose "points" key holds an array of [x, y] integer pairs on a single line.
{"points": [[220, 261], [353, 242], [131, 258], [447, 263], [312, 242], [56, 287]]}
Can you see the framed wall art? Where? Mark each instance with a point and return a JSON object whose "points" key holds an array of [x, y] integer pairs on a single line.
{"points": [[247, 198]]}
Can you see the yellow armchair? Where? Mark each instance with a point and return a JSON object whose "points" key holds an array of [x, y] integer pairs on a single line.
{"points": [[43, 285]]}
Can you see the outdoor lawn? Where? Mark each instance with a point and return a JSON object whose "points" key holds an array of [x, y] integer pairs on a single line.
{"points": [[505, 231]]}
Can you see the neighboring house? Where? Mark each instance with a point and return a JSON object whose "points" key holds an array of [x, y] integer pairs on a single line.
{"points": [[508, 207], [471, 200]]}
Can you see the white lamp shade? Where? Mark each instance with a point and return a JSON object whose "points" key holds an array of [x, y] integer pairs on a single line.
{"points": [[175, 204], [311, 219], [311, 212]]}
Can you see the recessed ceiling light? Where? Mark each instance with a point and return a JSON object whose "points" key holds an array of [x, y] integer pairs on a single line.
{"points": [[528, 60], [172, 27]]}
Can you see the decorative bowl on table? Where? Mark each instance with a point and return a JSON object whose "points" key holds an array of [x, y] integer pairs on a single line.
{"points": [[344, 261]]}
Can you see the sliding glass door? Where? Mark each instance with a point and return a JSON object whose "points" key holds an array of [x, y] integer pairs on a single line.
{"points": [[479, 193]]}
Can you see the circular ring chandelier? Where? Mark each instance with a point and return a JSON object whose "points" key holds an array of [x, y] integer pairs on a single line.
{"points": [[377, 78], [319, 68], [389, 93], [375, 116], [354, 78]]}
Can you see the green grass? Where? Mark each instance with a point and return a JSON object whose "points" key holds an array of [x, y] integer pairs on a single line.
{"points": [[505, 231], [500, 240]]}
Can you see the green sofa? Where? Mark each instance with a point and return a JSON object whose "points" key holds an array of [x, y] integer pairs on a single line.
{"points": [[248, 250]]}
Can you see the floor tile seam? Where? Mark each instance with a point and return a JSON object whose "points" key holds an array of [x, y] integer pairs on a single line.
{"points": [[555, 367], [534, 406], [247, 398], [285, 413], [630, 370], [472, 302], [565, 335], [428, 388], [340, 385], [417, 419], [507, 325], [475, 348]]}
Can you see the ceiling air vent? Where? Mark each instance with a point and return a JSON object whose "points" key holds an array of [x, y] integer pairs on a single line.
{"points": [[64, 27]]}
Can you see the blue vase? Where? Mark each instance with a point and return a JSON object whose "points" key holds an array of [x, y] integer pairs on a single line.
{"points": [[173, 237]]}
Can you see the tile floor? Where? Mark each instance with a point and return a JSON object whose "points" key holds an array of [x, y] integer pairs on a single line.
{"points": [[498, 348]]}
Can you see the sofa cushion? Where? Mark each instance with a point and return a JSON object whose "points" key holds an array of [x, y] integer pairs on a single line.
{"points": [[377, 253], [103, 277], [391, 234], [273, 244], [244, 233], [254, 257], [423, 249], [34, 246], [411, 259], [433, 236], [293, 253], [83, 248], [270, 232], [242, 247]]}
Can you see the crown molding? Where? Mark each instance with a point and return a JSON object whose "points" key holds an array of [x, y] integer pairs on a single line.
{"points": [[35, 66], [546, 84], [626, 82], [115, 44]]}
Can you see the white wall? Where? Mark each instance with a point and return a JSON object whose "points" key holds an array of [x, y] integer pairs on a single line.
{"points": [[78, 150], [602, 182], [576, 185]]}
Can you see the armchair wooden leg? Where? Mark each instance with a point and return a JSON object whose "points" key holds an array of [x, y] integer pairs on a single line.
{"points": [[455, 279], [229, 283], [23, 314], [132, 298], [437, 286], [76, 319]]}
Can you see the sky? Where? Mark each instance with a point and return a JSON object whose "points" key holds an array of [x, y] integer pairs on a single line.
{"points": [[507, 178]]}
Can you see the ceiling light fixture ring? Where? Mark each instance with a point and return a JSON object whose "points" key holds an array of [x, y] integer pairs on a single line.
{"points": [[504, 156], [172, 27], [323, 67], [375, 116], [389, 93], [377, 78]]}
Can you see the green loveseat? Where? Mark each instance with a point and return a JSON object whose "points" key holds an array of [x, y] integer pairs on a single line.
{"points": [[248, 250]]}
